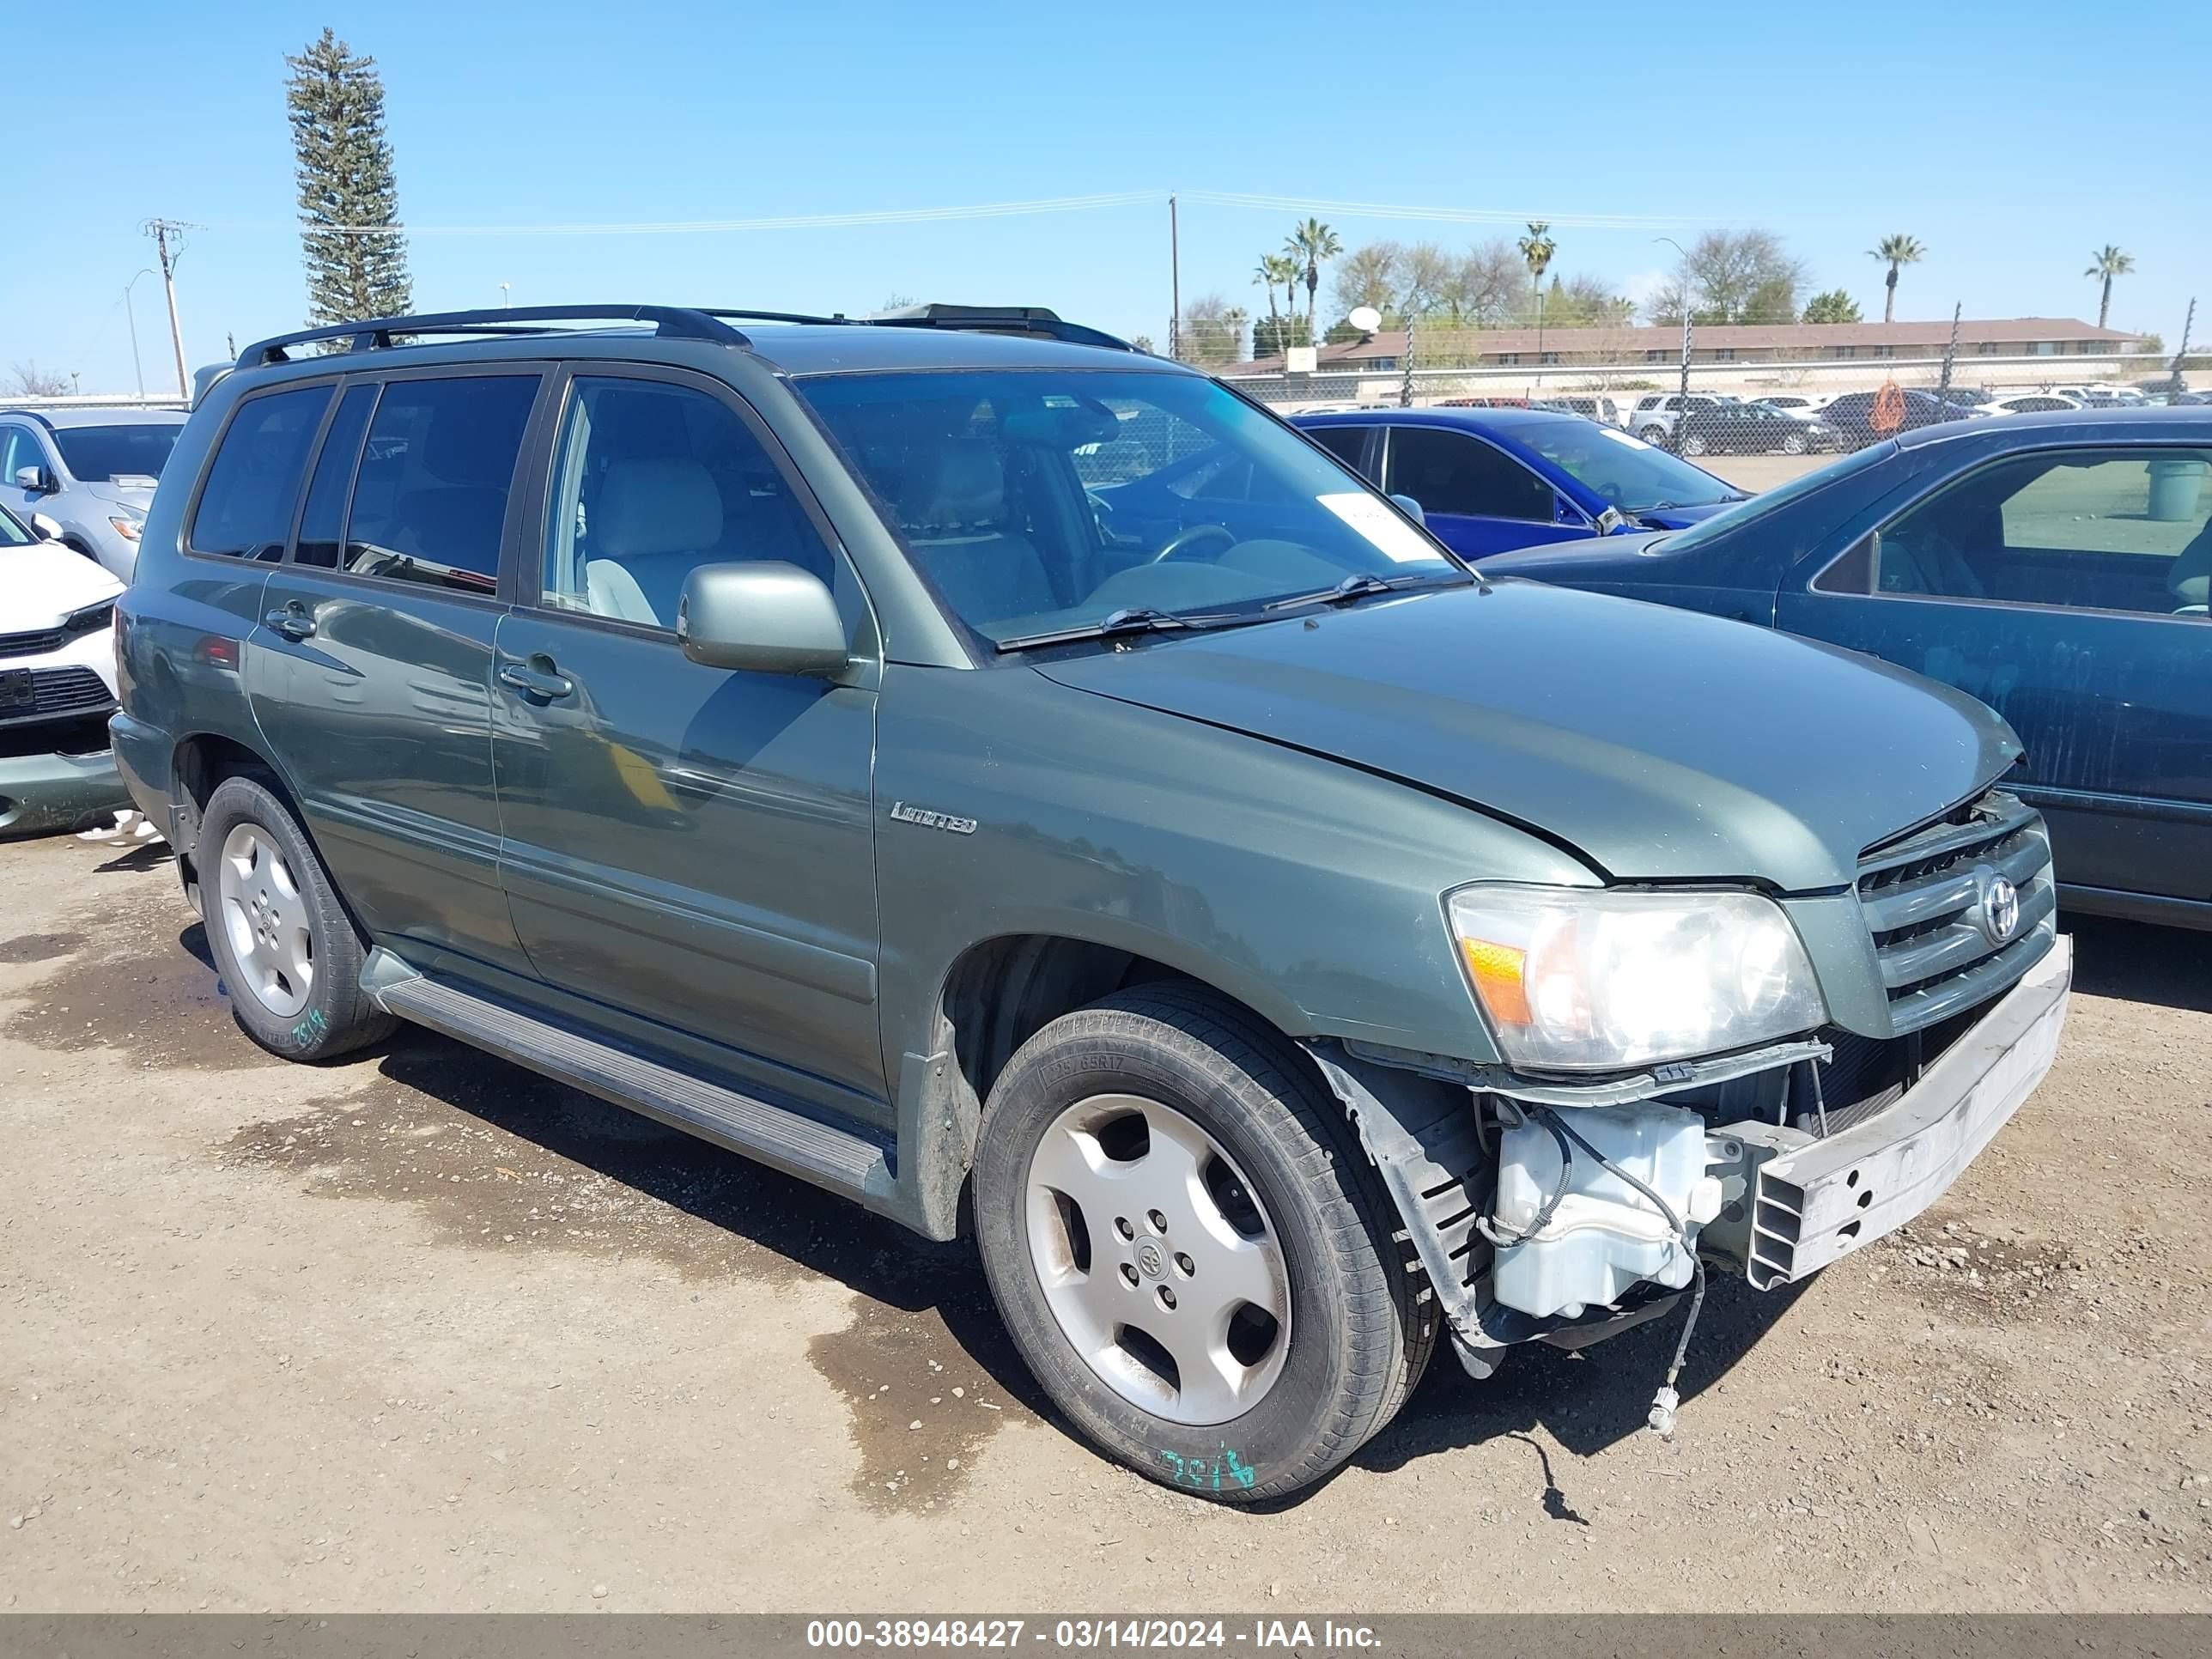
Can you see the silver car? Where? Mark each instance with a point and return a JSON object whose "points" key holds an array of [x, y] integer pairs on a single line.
{"points": [[90, 471]]}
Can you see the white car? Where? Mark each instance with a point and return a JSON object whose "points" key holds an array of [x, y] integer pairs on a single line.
{"points": [[57, 685], [1797, 406], [2031, 403], [1654, 416]]}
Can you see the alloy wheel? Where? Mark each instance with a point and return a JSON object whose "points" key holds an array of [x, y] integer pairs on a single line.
{"points": [[265, 915]]}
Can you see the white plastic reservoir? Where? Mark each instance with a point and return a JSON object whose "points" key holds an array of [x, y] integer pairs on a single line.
{"points": [[1604, 1236]]}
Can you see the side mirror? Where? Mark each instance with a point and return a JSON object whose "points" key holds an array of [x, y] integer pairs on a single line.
{"points": [[770, 617], [1410, 508], [45, 529], [33, 478]]}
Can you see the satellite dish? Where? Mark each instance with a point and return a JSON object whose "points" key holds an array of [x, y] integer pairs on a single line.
{"points": [[1365, 319]]}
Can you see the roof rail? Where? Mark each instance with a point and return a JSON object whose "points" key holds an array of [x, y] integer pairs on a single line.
{"points": [[376, 333], [999, 319]]}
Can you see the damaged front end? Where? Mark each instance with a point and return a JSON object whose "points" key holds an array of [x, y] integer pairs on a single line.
{"points": [[1567, 1206]]}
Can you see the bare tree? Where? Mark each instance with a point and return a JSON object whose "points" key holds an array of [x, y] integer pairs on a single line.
{"points": [[1734, 277], [1368, 275], [32, 381]]}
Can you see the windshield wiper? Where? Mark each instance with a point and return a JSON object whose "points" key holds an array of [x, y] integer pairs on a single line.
{"points": [[1360, 585], [1131, 619]]}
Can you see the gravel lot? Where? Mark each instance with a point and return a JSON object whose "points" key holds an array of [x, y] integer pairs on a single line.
{"points": [[422, 1332]]}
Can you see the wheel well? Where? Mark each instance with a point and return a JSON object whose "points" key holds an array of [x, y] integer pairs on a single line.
{"points": [[201, 764], [1004, 991]]}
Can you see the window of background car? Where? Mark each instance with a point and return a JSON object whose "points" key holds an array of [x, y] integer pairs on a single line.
{"points": [[246, 506], [13, 532], [2093, 529], [18, 448], [429, 501], [651, 481], [1037, 501], [103, 455], [1628, 472], [1452, 472], [322, 518], [1347, 443]]}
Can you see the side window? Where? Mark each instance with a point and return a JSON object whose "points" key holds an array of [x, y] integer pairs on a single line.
{"points": [[1344, 442], [322, 522], [18, 450], [244, 509], [430, 501], [1452, 473], [2103, 530], [651, 481]]}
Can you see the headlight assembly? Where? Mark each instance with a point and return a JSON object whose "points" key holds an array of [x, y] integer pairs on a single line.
{"points": [[1588, 980], [90, 620]]}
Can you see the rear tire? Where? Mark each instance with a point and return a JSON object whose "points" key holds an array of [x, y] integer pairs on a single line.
{"points": [[288, 953], [1103, 1247]]}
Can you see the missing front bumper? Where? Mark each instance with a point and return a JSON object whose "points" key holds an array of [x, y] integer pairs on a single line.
{"points": [[1812, 1203]]}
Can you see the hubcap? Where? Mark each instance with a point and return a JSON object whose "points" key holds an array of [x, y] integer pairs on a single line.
{"points": [[266, 918], [1157, 1259]]}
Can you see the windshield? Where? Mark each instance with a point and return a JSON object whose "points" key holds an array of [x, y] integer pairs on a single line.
{"points": [[1781, 495], [101, 455], [12, 532], [1626, 472], [1039, 500]]}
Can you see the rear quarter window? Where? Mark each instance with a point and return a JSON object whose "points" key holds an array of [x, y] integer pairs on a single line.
{"points": [[244, 509]]}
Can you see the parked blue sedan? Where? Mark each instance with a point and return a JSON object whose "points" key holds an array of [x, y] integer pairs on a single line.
{"points": [[2056, 566], [1493, 478]]}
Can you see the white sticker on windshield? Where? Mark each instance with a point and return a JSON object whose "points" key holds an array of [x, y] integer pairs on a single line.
{"points": [[1400, 542], [1620, 437]]}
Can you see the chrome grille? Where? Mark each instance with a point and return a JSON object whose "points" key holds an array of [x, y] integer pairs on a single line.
{"points": [[1922, 898]]}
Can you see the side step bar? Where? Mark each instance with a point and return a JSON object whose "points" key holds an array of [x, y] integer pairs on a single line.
{"points": [[852, 1164]]}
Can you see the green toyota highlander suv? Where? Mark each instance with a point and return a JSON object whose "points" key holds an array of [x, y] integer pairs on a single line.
{"points": [[1019, 784]]}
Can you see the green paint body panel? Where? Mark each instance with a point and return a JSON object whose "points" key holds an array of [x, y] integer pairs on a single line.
{"points": [[770, 879]]}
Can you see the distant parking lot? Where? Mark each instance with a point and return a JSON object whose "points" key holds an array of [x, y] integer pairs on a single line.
{"points": [[420, 1331]]}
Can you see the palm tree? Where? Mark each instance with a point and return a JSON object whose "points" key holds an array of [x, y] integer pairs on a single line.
{"points": [[1275, 268], [1537, 248], [1312, 245], [1896, 250], [2108, 262]]}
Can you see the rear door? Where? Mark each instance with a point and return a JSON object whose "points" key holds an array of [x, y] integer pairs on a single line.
{"points": [[371, 673], [688, 846], [1476, 498], [2056, 586]]}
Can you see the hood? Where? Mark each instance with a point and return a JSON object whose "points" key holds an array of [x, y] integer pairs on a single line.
{"points": [[1678, 518], [126, 491], [42, 583], [1660, 744]]}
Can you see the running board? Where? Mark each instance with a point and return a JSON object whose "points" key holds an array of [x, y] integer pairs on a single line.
{"points": [[843, 1161]]}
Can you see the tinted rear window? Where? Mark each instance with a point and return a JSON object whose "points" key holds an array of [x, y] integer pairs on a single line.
{"points": [[429, 500], [246, 508]]}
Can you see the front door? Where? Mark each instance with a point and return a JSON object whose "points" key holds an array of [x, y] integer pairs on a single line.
{"points": [[1474, 497], [371, 673], [2063, 588], [690, 845]]}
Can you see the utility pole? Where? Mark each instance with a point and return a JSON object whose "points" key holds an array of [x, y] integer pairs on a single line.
{"points": [[162, 231], [1175, 285]]}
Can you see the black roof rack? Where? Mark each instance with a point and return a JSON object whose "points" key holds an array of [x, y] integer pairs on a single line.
{"points": [[999, 319], [375, 333], [674, 322]]}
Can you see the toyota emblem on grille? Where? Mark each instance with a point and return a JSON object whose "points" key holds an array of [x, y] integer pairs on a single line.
{"points": [[1999, 905]]}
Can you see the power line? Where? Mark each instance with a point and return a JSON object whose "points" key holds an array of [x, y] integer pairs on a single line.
{"points": [[1447, 215], [783, 221]]}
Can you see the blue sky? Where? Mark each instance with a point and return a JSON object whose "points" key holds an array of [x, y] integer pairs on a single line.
{"points": [[2011, 141]]}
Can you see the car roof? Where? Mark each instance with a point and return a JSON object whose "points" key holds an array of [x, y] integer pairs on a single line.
{"points": [[112, 414], [815, 349], [1502, 422], [2150, 421]]}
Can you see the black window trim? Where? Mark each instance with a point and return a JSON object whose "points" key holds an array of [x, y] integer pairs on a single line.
{"points": [[1893, 513], [542, 369], [327, 385], [523, 582]]}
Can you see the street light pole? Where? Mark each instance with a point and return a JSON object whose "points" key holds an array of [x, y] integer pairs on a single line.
{"points": [[1675, 432]]}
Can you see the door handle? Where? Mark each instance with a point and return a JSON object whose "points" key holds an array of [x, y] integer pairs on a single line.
{"points": [[293, 621], [537, 678]]}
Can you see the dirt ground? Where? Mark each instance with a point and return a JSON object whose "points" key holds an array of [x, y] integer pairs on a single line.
{"points": [[421, 1332]]}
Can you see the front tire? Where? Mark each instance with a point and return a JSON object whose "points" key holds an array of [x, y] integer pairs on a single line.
{"points": [[1191, 1251], [288, 951]]}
